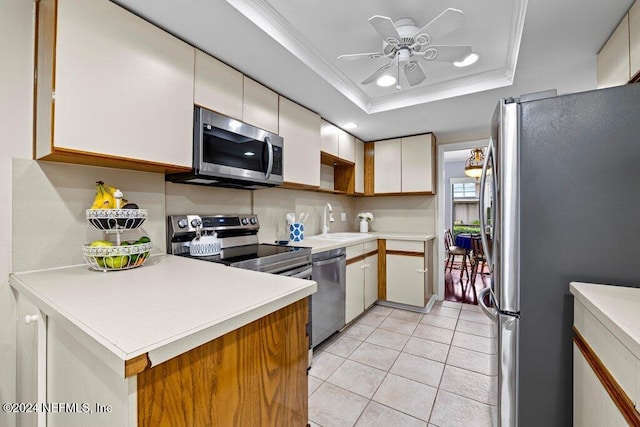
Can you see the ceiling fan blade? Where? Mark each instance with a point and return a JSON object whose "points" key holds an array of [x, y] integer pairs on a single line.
{"points": [[375, 75], [449, 53], [384, 26], [414, 73], [443, 24], [355, 56]]}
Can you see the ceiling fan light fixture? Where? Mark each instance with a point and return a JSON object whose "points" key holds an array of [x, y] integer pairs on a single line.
{"points": [[386, 80], [471, 59]]}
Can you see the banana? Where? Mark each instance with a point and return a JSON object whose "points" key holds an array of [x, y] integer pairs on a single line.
{"points": [[109, 200], [104, 199], [112, 191], [98, 202]]}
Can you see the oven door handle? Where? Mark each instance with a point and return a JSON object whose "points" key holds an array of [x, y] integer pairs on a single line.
{"points": [[267, 174], [304, 274]]}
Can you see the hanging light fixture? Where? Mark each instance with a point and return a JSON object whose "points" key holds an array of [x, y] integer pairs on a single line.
{"points": [[473, 165]]}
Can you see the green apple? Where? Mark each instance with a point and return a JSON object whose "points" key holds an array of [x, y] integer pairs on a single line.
{"points": [[116, 261], [101, 243]]}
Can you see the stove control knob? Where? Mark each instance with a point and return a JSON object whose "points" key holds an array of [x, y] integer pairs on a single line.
{"points": [[253, 221], [245, 221], [196, 222], [182, 223]]}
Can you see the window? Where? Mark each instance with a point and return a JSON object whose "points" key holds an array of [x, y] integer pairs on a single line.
{"points": [[464, 190]]}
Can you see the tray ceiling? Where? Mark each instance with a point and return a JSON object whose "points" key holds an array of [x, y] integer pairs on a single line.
{"points": [[318, 32]]}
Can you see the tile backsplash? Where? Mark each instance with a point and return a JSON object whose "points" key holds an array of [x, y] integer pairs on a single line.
{"points": [[50, 199], [271, 205], [48, 210]]}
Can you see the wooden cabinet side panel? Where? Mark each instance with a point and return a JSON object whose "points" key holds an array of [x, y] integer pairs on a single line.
{"points": [[369, 168], [255, 375], [382, 269], [217, 86], [388, 166], [359, 169], [45, 69], [260, 107]]}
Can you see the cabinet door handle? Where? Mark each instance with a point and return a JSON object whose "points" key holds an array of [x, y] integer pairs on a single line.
{"points": [[422, 270], [29, 319]]}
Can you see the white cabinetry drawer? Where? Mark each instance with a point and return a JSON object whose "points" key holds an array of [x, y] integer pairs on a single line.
{"points": [[370, 246], [354, 251], [405, 245]]}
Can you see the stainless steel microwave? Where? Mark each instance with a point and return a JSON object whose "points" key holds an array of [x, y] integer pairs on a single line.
{"points": [[229, 153]]}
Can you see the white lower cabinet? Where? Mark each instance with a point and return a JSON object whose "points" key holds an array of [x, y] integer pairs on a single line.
{"points": [[361, 289], [592, 405], [407, 279]]}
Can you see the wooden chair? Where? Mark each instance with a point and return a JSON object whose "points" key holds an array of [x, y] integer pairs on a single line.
{"points": [[477, 258], [452, 251]]}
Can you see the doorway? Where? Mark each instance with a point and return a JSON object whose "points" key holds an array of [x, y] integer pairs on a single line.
{"points": [[458, 212]]}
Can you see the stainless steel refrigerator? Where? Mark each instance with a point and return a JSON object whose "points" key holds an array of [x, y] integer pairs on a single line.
{"points": [[564, 174]]}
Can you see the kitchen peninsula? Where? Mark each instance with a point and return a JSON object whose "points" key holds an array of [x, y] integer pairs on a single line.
{"points": [[176, 341]]}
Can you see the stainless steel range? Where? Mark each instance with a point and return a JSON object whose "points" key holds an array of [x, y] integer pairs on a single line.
{"points": [[238, 236]]}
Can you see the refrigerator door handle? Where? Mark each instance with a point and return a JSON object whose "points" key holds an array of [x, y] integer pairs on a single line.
{"points": [[483, 181], [491, 314]]}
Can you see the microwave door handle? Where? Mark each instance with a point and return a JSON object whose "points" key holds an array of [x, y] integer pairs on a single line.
{"points": [[267, 141]]}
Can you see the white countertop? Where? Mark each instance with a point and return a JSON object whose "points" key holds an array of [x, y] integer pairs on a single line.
{"points": [[319, 244], [617, 307], [166, 307]]}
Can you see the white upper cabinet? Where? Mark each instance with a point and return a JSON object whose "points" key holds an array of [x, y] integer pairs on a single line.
{"points": [[217, 87], [417, 163], [300, 129], [359, 179], [260, 107], [613, 59], [634, 39], [388, 166], [123, 87], [346, 146], [330, 138], [404, 165]]}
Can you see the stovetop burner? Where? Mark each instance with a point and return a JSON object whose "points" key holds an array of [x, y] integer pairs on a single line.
{"points": [[238, 235]]}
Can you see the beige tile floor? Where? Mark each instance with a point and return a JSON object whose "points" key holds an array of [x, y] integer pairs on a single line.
{"points": [[399, 368]]}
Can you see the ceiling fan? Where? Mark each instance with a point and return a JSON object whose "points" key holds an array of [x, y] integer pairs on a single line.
{"points": [[405, 44]]}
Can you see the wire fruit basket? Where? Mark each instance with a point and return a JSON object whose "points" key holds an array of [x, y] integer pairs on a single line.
{"points": [[116, 219], [123, 257]]}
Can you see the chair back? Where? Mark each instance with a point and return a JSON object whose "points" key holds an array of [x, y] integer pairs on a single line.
{"points": [[448, 239], [476, 246]]}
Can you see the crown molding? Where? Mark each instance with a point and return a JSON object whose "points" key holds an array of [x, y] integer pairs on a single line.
{"points": [[263, 15]]}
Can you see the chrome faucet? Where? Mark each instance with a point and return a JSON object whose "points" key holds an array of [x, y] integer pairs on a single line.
{"points": [[325, 224]]}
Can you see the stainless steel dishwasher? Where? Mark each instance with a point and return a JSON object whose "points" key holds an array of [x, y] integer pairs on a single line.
{"points": [[329, 270]]}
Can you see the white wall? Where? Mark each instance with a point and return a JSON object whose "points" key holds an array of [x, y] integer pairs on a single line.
{"points": [[271, 205], [402, 214], [16, 45]]}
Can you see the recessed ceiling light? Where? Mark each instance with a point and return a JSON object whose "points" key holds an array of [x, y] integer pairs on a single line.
{"points": [[385, 80], [470, 59], [350, 125]]}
